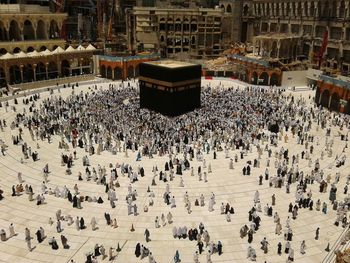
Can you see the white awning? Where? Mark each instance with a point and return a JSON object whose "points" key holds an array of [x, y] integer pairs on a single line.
{"points": [[80, 48], [70, 49], [46, 52], [90, 47], [58, 50], [34, 54], [7, 56], [21, 55]]}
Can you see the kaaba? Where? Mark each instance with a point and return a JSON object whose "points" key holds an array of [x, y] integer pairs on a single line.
{"points": [[170, 87]]}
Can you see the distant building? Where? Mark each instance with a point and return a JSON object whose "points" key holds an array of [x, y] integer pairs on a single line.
{"points": [[308, 19], [32, 47], [172, 29]]}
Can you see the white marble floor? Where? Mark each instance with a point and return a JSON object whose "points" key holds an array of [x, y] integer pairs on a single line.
{"points": [[228, 186]]}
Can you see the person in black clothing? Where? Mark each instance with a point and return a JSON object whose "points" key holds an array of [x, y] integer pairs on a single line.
{"points": [[82, 223], [108, 218], [219, 248], [97, 250], [279, 248], [38, 236], [200, 246], [53, 243], [138, 250]]}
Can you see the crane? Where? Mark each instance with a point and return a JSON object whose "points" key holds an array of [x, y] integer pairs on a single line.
{"points": [[322, 49], [100, 7], [110, 24]]}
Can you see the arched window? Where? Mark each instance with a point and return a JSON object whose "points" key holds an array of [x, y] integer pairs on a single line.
{"points": [[52, 70], [40, 71], [109, 73], [15, 33], [3, 32], [170, 24], [342, 9], [41, 30], [306, 9], [2, 78], [28, 73], [65, 66], [193, 25], [118, 73], [28, 30], [299, 9], [103, 71], [264, 79], [54, 30], [162, 24], [312, 9], [131, 72], [245, 10], [193, 40], [15, 75], [288, 9], [326, 10]]}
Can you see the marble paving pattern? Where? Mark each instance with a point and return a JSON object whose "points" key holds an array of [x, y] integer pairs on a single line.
{"points": [[229, 185]]}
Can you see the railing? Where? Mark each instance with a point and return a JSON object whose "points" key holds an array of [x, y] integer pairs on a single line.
{"points": [[23, 93], [330, 257], [44, 42], [48, 82], [20, 8]]}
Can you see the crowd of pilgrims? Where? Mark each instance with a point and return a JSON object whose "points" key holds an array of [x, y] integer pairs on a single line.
{"points": [[230, 119]]}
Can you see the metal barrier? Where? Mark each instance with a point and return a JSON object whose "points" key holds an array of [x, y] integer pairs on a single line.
{"points": [[25, 93], [48, 82]]}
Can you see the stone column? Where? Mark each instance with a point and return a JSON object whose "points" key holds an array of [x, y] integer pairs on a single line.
{"points": [[254, 47], [329, 101], [34, 71], [278, 48], [70, 68], [47, 27], [59, 69], [35, 27], [47, 70], [289, 27], [59, 24], [81, 66], [113, 77], [7, 30], [21, 69], [21, 28]]}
